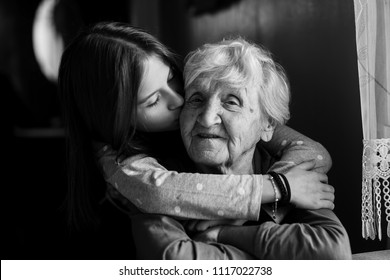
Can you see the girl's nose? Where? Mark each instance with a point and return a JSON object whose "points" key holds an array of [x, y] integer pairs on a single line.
{"points": [[175, 100]]}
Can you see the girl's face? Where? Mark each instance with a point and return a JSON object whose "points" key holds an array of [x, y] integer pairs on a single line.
{"points": [[159, 99]]}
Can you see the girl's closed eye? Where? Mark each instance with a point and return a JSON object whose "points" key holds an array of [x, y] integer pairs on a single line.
{"points": [[154, 103]]}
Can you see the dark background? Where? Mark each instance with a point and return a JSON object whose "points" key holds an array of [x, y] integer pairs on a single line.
{"points": [[314, 40]]}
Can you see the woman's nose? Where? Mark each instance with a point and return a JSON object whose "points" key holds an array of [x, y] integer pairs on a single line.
{"points": [[209, 115], [175, 100]]}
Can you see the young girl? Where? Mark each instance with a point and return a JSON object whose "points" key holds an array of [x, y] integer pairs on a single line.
{"points": [[122, 87]]}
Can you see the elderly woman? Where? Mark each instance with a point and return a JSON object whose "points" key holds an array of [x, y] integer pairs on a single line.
{"points": [[235, 96]]}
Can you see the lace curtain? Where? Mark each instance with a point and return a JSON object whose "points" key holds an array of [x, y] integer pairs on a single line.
{"points": [[372, 18]]}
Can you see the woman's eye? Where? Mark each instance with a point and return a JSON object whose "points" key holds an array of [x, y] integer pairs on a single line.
{"points": [[233, 101], [195, 99]]}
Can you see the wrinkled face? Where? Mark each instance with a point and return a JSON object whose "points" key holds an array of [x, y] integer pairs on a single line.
{"points": [[220, 128], [159, 101]]}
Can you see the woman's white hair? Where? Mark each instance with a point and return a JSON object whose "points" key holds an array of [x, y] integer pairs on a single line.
{"points": [[238, 64]]}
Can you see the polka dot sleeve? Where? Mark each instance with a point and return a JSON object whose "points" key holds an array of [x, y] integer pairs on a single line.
{"points": [[291, 148], [153, 189]]}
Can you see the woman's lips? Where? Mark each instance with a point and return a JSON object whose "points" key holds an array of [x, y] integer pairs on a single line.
{"points": [[208, 136]]}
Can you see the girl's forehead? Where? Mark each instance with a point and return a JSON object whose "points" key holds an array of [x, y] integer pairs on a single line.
{"points": [[154, 76]]}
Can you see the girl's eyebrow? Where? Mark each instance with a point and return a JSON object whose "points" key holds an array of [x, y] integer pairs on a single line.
{"points": [[147, 97]]}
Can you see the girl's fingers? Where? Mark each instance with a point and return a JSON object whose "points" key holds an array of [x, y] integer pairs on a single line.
{"points": [[329, 188], [328, 196], [322, 178], [307, 165], [327, 204]]}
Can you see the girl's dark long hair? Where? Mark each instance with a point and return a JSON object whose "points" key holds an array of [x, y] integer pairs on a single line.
{"points": [[99, 77]]}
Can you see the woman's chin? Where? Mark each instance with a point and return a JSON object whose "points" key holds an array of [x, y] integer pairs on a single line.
{"points": [[206, 158]]}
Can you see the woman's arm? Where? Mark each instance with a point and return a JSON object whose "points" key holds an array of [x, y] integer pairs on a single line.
{"points": [[294, 148], [306, 234], [162, 237]]}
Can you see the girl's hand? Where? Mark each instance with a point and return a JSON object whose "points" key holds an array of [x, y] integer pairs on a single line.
{"points": [[309, 189]]}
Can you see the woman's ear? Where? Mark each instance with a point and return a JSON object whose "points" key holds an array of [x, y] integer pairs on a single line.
{"points": [[267, 132]]}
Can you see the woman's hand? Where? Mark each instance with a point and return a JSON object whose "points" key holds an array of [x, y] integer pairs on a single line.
{"points": [[209, 235], [202, 225], [309, 189]]}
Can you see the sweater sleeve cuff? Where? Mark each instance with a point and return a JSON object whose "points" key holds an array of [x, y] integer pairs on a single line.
{"points": [[257, 193]]}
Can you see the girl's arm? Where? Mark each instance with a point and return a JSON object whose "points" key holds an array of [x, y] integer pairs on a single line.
{"points": [[294, 148], [154, 189]]}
